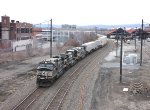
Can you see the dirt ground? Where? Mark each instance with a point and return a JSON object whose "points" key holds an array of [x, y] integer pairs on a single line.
{"points": [[108, 92], [18, 76]]}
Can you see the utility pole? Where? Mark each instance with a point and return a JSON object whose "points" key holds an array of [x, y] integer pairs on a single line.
{"points": [[135, 38], [96, 31], [141, 44], [117, 43], [51, 39], [121, 56]]}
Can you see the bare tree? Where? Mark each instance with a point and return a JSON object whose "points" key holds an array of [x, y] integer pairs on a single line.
{"points": [[87, 37], [72, 41], [58, 47]]}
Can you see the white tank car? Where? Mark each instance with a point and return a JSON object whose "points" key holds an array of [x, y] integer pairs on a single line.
{"points": [[89, 46], [103, 40], [98, 42]]}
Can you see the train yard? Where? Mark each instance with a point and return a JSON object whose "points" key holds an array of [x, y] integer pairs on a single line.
{"points": [[88, 85], [34, 94], [57, 100]]}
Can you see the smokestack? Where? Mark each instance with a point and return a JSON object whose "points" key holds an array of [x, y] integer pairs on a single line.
{"points": [[12, 21]]}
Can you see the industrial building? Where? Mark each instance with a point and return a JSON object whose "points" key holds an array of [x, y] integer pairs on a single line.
{"points": [[11, 30]]}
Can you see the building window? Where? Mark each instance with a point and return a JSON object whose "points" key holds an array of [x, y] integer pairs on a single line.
{"points": [[11, 28], [58, 33], [66, 33], [26, 30], [30, 30], [18, 30], [54, 33], [22, 30], [54, 39]]}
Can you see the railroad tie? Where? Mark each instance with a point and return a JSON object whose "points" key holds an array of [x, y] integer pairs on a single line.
{"points": [[139, 88]]}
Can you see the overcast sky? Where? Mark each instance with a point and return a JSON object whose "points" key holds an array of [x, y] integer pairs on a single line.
{"points": [[79, 12]]}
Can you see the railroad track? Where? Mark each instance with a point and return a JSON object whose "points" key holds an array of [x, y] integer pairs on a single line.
{"points": [[147, 51], [61, 93], [57, 100], [31, 98], [34, 95]]}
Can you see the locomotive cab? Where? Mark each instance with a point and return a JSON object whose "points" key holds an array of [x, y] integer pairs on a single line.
{"points": [[48, 71]]}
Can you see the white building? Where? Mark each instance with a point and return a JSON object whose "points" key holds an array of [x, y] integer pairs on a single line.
{"points": [[57, 35], [62, 35]]}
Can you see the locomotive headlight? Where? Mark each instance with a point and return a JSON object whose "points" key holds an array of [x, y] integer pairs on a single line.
{"points": [[44, 73]]}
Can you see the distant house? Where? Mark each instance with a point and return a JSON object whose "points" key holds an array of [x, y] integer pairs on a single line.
{"points": [[113, 33], [137, 33], [147, 30], [132, 32]]}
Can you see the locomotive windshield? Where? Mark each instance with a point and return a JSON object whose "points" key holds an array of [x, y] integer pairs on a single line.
{"points": [[69, 52], [45, 66]]}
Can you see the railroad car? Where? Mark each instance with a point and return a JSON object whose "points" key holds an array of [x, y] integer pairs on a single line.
{"points": [[74, 54], [103, 40], [68, 60], [89, 47], [81, 52], [98, 42]]}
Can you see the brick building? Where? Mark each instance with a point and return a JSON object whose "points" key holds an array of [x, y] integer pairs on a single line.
{"points": [[23, 30], [0, 31], [36, 31], [11, 30]]}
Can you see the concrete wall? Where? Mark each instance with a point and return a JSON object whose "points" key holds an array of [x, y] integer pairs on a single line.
{"points": [[21, 45]]}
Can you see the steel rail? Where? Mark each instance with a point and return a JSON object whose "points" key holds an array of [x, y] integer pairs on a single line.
{"points": [[32, 97]]}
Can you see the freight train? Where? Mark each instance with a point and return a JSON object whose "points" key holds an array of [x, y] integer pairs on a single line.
{"points": [[51, 69]]}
